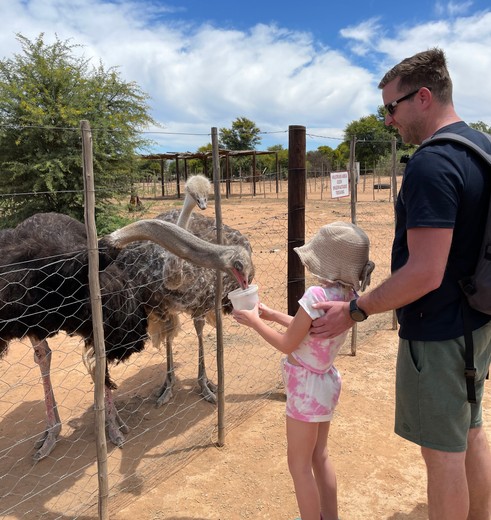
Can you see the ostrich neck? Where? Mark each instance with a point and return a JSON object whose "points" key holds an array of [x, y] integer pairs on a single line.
{"points": [[175, 239], [187, 209]]}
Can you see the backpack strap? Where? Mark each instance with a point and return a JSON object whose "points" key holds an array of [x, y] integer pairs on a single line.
{"points": [[450, 136], [470, 369]]}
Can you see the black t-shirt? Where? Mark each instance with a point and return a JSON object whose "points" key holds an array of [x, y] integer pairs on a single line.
{"points": [[445, 185]]}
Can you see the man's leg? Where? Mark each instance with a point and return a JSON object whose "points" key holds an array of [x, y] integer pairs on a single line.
{"points": [[448, 496], [478, 470]]}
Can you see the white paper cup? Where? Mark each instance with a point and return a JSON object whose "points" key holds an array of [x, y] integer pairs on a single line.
{"points": [[244, 299]]}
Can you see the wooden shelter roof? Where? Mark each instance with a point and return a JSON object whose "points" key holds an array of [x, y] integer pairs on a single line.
{"points": [[206, 155]]}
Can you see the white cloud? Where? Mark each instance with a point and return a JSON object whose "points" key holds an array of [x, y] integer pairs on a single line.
{"points": [[466, 42], [363, 35], [200, 76], [452, 8]]}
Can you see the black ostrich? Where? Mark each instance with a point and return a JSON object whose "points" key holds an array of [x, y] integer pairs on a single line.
{"points": [[44, 290]]}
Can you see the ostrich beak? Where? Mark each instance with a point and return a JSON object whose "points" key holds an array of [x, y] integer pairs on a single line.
{"points": [[241, 278], [202, 203]]}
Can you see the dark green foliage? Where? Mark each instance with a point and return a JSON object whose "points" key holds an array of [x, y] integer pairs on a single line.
{"points": [[483, 127], [372, 139], [44, 94], [244, 135]]}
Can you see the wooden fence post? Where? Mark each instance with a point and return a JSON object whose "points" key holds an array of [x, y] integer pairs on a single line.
{"points": [[97, 320], [296, 213], [218, 293]]}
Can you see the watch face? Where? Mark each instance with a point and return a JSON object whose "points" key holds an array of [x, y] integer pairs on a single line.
{"points": [[356, 313]]}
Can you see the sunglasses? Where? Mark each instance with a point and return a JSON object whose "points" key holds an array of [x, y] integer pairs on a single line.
{"points": [[391, 107]]}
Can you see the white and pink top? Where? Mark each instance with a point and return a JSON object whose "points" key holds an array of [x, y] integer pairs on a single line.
{"points": [[318, 354]]}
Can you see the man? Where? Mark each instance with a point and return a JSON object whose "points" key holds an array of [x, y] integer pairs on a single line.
{"points": [[441, 211]]}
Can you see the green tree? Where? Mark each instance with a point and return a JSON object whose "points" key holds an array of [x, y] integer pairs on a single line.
{"points": [[44, 94], [203, 165], [373, 139], [341, 156], [267, 162], [244, 135], [483, 127]]}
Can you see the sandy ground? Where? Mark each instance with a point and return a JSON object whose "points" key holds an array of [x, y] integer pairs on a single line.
{"points": [[380, 476]]}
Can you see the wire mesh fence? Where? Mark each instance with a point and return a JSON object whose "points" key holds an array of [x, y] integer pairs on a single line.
{"points": [[157, 440]]}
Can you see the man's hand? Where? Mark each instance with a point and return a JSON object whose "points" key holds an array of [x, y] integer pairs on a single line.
{"points": [[336, 320]]}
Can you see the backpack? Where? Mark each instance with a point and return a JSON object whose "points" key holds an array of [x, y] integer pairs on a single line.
{"points": [[476, 288]]}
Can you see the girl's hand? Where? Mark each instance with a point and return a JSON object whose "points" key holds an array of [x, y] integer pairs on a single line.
{"points": [[265, 312], [247, 317]]}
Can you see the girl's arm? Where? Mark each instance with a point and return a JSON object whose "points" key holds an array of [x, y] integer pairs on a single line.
{"points": [[285, 342], [279, 317]]}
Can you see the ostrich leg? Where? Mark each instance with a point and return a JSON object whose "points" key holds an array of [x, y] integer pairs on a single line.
{"points": [[114, 424], [208, 389], [169, 329], [46, 443], [166, 391]]}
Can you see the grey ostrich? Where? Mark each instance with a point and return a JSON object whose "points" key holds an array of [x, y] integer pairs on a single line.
{"points": [[44, 290], [196, 297], [196, 189], [170, 286]]}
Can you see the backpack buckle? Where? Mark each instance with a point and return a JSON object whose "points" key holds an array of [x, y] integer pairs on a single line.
{"points": [[468, 286]]}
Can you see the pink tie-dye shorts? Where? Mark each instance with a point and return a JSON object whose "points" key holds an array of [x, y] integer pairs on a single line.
{"points": [[310, 397]]}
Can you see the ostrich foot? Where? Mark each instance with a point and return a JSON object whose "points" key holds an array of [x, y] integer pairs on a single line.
{"points": [[45, 444], [165, 392], [116, 428], [208, 390]]}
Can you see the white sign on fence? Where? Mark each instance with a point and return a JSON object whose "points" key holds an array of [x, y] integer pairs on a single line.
{"points": [[339, 184]]}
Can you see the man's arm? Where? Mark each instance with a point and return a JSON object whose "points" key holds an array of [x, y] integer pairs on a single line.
{"points": [[423, 273]]}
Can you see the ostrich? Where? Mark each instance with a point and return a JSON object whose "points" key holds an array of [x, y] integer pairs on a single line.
{"points": [[196, 298], [196, 189], [146, 265], [171, 284], [44, 290]]}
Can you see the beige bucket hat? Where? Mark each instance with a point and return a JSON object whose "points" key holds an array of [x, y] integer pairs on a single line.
{"points": [[339, 252]]}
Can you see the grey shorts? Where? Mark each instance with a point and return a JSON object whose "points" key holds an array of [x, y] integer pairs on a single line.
{"points": [[431, 394]]}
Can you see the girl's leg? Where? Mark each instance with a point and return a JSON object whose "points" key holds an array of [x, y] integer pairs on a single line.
{"points": [[324, 474], [302, 438]]}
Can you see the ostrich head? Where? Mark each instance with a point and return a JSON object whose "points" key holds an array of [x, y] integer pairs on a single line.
{"points": [[237, 262], [233, 259], [198, 187]]}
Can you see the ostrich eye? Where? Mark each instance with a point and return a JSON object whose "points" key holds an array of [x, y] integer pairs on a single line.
{"points": [[238, 265]]}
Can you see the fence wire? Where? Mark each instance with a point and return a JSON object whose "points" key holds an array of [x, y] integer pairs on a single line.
{"points": [[160, 440]]}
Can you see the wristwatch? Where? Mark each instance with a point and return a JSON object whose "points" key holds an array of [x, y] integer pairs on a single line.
{"points": [[355, 312]]}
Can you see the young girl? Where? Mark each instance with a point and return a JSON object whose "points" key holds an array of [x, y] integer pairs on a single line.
{"points": [[338, 256]]}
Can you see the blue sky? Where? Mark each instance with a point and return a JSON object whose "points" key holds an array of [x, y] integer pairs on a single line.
{"points": [[313, 63]]}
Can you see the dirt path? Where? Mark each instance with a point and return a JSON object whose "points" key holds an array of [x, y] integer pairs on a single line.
{"points": [[380, 476]]}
